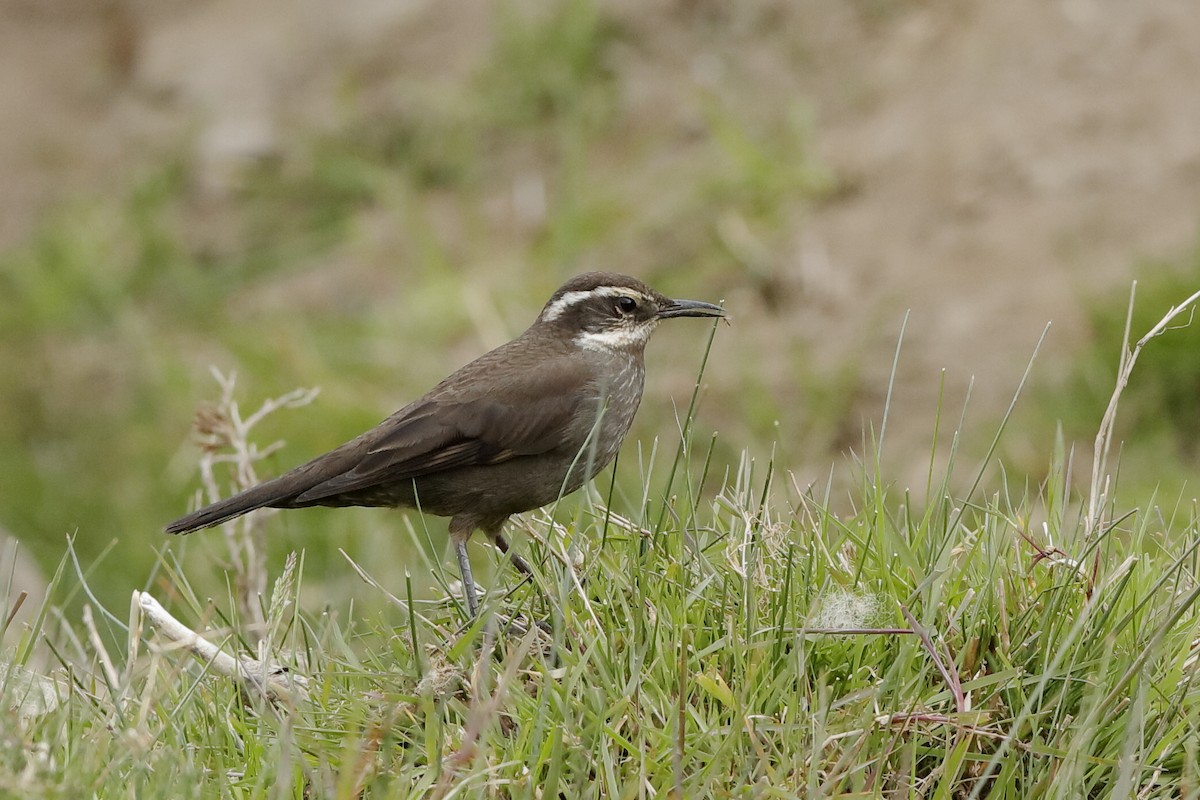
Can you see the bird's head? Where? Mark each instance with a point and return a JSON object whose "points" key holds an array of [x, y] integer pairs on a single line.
{"points": [[612, 312]]}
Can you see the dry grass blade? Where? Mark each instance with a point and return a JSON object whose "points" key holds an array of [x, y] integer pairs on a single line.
{"points": [[1098, 490], [224, 437], [948, 675]]}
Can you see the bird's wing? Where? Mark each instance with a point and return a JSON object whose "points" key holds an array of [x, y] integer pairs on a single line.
{"points": [[446, 430]]}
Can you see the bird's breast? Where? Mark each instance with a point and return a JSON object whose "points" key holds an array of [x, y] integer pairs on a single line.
{"points": [[604, 421]]}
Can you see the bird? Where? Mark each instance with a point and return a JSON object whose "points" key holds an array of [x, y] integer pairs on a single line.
{"points": [[516, 429]]}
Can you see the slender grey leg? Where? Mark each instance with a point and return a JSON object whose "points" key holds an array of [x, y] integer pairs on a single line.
{"points": [[464, 566]]}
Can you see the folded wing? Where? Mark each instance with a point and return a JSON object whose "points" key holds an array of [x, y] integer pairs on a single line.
{"points": [[442, 433]]}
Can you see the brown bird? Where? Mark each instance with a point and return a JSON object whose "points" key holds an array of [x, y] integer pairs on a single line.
{"points": [[516, 429]]}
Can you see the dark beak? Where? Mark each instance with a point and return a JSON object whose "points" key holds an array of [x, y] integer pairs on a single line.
{"points": [[689, 308]]}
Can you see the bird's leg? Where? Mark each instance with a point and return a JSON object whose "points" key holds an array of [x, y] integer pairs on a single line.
{"points": [[464, 566], [460, 538], [517, 559], [523, 567]]}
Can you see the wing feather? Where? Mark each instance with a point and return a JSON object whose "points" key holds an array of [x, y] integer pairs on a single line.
{"points": [[447, 430]]}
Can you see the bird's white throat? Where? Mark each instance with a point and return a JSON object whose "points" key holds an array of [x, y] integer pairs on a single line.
{"points": [[623, 338]]}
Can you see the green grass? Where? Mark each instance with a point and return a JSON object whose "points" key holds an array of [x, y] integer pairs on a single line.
{"points": [[733, 637]]}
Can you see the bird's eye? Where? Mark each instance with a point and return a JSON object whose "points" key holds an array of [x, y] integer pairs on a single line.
{"points": [[626, 305]]}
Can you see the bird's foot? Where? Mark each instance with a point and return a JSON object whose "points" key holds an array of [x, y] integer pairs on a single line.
{"points": [[520, 624]]}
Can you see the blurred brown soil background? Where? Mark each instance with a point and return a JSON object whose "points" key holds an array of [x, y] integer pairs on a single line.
{"points": [[989, 167]]}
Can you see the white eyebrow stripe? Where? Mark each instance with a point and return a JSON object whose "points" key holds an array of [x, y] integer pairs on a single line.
{"points": [[559, 306]]}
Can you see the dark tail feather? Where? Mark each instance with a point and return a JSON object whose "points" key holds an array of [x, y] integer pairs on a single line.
{"points": [[281, 492], [260, 496]]}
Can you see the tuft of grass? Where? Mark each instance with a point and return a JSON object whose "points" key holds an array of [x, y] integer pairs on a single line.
{"points": [[725, 635]]}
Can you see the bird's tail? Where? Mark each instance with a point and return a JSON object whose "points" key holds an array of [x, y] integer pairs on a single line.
{"points": [[283, 492], [268, 494]]}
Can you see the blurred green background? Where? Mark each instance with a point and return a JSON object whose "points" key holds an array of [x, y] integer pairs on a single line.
{"points": [[361, 199]]}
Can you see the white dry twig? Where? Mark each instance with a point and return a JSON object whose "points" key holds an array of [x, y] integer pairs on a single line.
{"points": [[273, 681]]}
